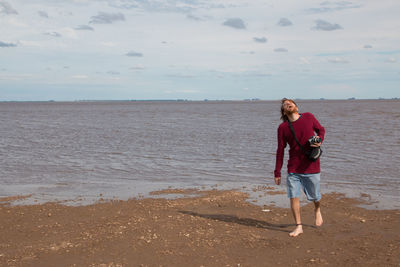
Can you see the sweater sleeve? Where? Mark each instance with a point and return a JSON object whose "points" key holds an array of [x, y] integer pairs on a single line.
{"points": [[319, 129], [280, 153]]}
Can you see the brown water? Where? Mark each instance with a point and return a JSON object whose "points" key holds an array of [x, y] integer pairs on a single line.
{"points": [[79, 150]]}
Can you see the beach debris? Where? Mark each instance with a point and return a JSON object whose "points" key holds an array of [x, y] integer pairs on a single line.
{"points": [[363, 220], [266, 210]]}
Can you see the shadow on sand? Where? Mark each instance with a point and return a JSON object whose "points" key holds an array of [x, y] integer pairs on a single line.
{"points": [[244, 221]]}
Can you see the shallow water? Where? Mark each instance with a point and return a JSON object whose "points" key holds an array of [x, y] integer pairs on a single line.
{"points": [[84, 150]]}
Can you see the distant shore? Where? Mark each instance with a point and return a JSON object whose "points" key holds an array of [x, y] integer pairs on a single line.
{"points": [[196, 100], [203, 228]]}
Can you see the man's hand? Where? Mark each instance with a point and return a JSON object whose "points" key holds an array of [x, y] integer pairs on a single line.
{"points": [[278, 180], [316, 144]]}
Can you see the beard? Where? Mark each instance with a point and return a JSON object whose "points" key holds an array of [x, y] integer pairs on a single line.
{"points": [[292, 111]]}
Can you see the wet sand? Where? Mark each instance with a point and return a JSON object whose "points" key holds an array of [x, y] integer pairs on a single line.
{"points": [[214, 228]]}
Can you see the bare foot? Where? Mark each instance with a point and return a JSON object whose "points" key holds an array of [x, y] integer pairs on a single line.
{"points": [[318, 218], [298, 230]]}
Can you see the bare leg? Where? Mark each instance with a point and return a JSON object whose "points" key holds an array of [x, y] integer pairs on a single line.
{"points": [[295, 205], [318, 215]]}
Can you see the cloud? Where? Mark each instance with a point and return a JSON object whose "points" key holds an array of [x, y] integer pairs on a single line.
{"points": [[54, 34], [328, 6], [236, 23], [137, 68], [111, 72], [134, 54], [337, 60], [192, 17], [84, 28], [3, 44], [5, 8], [79, 76], [257, 74], [284, 22], [337, 88], [179, 6], [107, 18], [280, 49], [391, 60], [248, 52], [260, 39], [109, 44], [304, 61], [367, 46], [68, 32], [30, 43], [179, 75], [43, 14], [323, 25], [188, 91], [15, 77]]}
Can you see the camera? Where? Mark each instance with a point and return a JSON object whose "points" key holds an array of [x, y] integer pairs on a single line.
{"points": [[314, 139]]}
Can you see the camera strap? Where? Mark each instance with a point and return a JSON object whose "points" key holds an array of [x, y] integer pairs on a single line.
{"points": [[295, 137]]}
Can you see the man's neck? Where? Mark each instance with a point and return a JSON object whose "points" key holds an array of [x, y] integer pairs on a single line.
{"points": [[293, 117]]}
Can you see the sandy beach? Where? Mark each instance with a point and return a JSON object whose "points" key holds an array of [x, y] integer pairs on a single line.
{"points": [[213, 228]]}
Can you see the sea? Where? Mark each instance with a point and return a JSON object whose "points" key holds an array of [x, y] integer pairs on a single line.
{"points": [[79, 152]]}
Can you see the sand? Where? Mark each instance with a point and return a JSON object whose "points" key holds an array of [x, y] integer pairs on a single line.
{"points": [[214, 228]]}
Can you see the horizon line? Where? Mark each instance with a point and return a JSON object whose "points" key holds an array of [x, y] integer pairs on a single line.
{"points": [[194, 100]]}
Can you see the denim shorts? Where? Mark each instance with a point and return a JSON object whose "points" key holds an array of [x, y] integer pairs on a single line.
{"points": [[309, 182]]}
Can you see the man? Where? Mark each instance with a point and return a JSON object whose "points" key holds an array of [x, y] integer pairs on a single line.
{"points": [[302, 172]]}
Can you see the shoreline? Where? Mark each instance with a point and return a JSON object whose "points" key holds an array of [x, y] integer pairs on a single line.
{"points": [[258, 194], [203, 228]]}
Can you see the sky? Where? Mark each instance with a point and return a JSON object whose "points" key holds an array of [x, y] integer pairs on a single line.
{"points": [[67, 50]]}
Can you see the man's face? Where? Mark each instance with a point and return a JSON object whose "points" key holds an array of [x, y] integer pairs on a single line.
{"points": [[289, 107]]}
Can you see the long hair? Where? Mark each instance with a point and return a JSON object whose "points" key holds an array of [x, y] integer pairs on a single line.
{"points": [[284, 117]]}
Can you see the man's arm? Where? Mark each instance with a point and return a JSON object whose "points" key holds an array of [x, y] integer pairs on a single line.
{"points": [[319, 129], [280, 151]]}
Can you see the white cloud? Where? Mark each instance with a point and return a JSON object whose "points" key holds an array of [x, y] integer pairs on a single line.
{"points": [[304, 60], [30, 43], [181, 91], [4, 44], [84, 28], [281, 49], [236, 23], [337, 89], [7, 9], [16, 22], [260, 39], [134, 54], [53, 34], [284, 22], [15, 77], [328, 6], [80, 76], [323, 25], [107, 18], [137, 67], [187, 91], [337, 60], [109, 44], [43, 14], [69, 32], [391, 60]]}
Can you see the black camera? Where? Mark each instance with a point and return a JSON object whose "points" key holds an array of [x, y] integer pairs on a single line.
{"points": [[314, 140]]}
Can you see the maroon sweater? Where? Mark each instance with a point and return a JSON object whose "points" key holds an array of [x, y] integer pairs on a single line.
{"points": [[305, 127]]}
